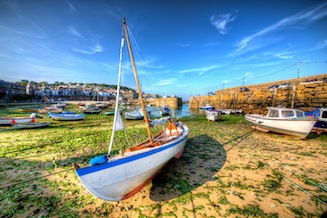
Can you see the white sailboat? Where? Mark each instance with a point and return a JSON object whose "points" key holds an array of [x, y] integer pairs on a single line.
{"points": [[284, 121], [121, 176]]}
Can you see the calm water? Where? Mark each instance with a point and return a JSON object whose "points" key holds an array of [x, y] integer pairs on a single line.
{"points": [[183, 111]]}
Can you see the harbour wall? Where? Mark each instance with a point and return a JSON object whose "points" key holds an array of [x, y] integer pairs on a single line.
{"points": [[172, 102], [301, 94]]}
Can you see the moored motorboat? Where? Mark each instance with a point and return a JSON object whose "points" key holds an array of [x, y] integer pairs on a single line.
{"points": [[284, 121], [213, 115], [207, 107]]}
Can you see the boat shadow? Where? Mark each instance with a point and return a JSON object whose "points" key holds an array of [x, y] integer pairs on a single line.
{"points": [[203, 157]]}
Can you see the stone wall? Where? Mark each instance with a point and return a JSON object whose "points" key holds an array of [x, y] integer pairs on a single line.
{"points": [[301, 94], [172, 102]]}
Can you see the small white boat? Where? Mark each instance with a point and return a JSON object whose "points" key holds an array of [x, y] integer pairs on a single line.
{"points": [[92, 111], [226, 111], [52, 110], [213, 115], [120, 177], [68, 116], [15, 120], [56, 106], [207, 107], [135, 115], [31, 125], [284, 121]]}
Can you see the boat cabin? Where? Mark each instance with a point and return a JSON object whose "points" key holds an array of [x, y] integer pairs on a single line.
{"points": [[284, 113]]}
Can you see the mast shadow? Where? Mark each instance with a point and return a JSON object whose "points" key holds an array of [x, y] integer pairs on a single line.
{"points": [[203, 157]]}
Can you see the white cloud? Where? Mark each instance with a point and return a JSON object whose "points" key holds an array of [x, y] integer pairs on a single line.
{"points": [[304, 17], [200, 70], [221, 22], [95, 49], [165, 82], [320, 45], [285, 55]]}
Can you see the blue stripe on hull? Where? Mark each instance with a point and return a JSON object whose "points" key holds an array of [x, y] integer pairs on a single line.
{"points": [[95, 168]]}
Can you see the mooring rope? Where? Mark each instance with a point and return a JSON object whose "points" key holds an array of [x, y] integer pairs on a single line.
{"points": [[292, 182], [36, 178]]}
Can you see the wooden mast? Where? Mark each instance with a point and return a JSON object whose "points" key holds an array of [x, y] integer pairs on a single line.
{"points": [[137, 83]]}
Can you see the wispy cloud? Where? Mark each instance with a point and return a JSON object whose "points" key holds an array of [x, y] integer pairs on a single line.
{"points": [[320, 45], [304, 17], [183, 45], [72, 30], [285, 55], [249, 75], [165, 82], [222, 22], [200, 70], [72, 7], [95, 49]]}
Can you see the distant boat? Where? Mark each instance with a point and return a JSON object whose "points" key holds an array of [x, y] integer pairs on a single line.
{"points": [[213, 115], [165, 111], [231, 111], [14, 120], [31, 125], [226, 111], [108, 113], [62, 112], [68, 116], [284, 121], [55, 106], [121, 176], [52, 110], [207, 107], [92, 110], [135, 115]]}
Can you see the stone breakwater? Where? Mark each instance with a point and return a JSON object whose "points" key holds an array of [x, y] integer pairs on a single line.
{"points": [[172, 102], [300, 94]]}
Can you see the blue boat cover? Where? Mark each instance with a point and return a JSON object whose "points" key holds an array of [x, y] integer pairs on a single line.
{"points": [[99, 160]]}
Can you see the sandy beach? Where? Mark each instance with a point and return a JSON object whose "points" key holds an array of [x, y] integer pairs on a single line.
{"points": [[226, 170]]}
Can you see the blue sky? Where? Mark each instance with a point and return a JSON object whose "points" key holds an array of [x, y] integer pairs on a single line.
{"points": [[183, 47]]}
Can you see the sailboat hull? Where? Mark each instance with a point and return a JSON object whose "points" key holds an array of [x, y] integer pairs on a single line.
{"points": [[121, 175]]}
